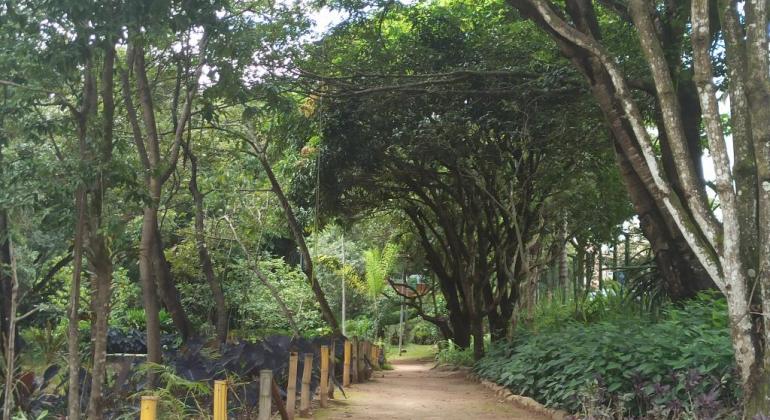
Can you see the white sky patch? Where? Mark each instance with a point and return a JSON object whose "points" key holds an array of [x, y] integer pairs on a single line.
{"points": [[325, 19]]}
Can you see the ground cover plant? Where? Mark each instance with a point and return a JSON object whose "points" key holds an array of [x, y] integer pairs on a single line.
{"points": [[677, 366]]}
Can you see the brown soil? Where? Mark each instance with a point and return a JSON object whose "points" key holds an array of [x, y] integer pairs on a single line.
{"points": [[415, 391]]}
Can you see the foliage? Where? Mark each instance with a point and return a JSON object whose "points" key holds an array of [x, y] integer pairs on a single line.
{"points": [[423, 332], [614, 302], [379, 264], [255, 311], [43, 346], [179, 398], [450, 354], [636, 366], [361, 326]]}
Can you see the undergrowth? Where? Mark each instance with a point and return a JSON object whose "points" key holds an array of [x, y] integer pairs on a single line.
{"points": [[451, 354], [675, 366]]}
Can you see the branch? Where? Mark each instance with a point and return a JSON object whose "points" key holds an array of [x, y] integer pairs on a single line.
{"points": [[186, 109], [262, 278], [136, 130]]}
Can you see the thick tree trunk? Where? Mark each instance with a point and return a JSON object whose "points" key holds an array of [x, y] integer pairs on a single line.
{"points": [[681, 272], [461, 330], [477, 330], [498, 326]]}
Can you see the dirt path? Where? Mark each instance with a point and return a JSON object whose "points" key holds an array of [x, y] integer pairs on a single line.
{"points": [[414, 391]]}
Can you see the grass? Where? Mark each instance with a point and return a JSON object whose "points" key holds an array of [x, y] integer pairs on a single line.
{"points": [[411, 351]]}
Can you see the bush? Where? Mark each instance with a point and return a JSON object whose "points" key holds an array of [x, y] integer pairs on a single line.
{"points": [[424, 332], [361, 326], [680, 365], [451, 354]]}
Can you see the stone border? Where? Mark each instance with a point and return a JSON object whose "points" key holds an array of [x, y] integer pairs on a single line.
{"points": [[518, 400]]}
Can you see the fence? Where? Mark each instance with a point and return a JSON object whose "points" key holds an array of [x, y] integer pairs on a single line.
{"points": [[359, 360]]}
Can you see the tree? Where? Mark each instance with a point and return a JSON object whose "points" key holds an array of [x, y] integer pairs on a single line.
{"points": [[667, 188], [478, 157]]}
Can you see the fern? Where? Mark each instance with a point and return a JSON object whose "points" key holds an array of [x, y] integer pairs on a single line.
{"points": [[379, 264], [179, 398]]}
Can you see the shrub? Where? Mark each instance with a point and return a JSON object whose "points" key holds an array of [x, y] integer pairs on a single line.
{"points": [[424, 332], [682, 364], [451, 354], [361, 326]]}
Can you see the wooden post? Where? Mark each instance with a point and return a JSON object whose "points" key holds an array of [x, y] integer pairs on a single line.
{"points": [[375, 356], [324, 376], [304, 401], [354, 361], [265, 394], [149, 408], [220, 400], [332, 366], [368, 353], [291, 388], [364, 356], [360, 362], [346, 364]]}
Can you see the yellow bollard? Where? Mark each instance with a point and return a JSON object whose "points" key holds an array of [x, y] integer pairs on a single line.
{"points": [[149, 408], [220, 400]]}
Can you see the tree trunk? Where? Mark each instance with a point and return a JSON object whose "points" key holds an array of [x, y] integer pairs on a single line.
{"points": [[580, 263], [10, 355], [477, 329], [563, 261], [589, 274], [167, 290], [149, 292], [207, 267], [601, 268], [6, 281], [99, 256], [461, 330], [307, 262], [498, 326], [73, 352], [682, 274], [101, 266]]}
